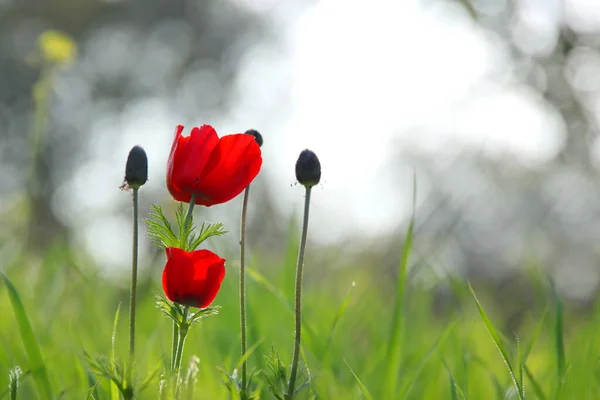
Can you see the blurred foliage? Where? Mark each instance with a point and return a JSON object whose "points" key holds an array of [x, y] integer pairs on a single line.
{"points": [[118, 52], [58, 48], [490, 215]]}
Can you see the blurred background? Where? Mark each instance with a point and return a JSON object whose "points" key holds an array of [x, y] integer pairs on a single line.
{"points": [[492, 105]]}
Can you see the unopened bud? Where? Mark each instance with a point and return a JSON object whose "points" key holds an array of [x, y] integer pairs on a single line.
{"points": [[136, 169], [257, 136], [308, 168]]}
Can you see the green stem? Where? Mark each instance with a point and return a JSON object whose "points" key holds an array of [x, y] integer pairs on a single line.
{"points": [[298, 301], [183, 331], [243, 287], [188, 217], [174, 345], [134, 267]]}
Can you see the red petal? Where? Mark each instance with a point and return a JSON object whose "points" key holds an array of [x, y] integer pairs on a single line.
{"points": [[207, 280], [174, 275], [187, 161], [233, 164], [192, 278], [171, 160]]}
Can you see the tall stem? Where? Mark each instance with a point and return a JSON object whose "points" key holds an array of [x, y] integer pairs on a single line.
{"points": [[134, 267], [243, 287], [298, 300]]}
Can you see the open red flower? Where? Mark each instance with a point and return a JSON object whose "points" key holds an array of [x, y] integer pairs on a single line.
{"points": [[216, 170], [192, 278]]}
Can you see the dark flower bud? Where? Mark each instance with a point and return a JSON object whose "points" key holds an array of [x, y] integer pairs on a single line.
{"points": [[308, 168], [136, 169], [256, 134]]}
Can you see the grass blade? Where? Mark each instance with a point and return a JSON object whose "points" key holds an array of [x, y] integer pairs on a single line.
{"points": [[417, 371], [394, 342], [559, 339], [248, 353], [520, 366], [34, 355], [338, 317], [492, 331], [278, 293], [534, 337], [455, 389], [114, 390], [537, 389], [361, 385]]}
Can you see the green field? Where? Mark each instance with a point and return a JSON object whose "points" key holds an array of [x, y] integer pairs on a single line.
{"points": [[368, 332]]}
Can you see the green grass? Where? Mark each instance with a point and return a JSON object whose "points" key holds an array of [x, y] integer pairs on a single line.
{"points": [[369, 333]]}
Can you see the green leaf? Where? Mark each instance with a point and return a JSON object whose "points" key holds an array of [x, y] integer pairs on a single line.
{"points": [[492, 331], [361, 385], [184, 229], [275, 374], [159, 229], [101, 365], [206, 231], [34, 355], [203, 313], [161, 232]]}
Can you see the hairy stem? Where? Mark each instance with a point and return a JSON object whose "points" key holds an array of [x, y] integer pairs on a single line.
{"points": [[298, 300], [134, 267], [243, 286], [183, 331]]}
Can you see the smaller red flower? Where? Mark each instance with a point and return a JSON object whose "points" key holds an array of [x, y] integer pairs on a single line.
{"points": [[214, 169], [192, 278]]}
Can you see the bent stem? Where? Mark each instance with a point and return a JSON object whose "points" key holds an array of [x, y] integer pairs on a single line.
{"points": [[298, 300], [132, 300], [188, 217], [243, 287]]}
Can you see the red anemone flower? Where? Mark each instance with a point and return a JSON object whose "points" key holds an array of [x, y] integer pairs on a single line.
{"points": [[192, 278], [215, 170]]}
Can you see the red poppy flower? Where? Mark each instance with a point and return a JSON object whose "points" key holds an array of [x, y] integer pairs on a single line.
{"points": [[192, 278], [216, 170]]}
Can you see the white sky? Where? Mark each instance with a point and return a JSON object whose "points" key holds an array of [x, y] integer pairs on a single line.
{"points": [[364, 77]]}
